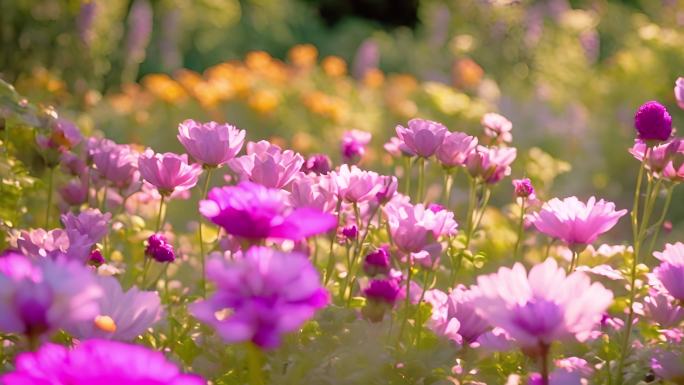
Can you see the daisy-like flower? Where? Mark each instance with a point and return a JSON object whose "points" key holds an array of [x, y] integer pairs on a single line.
{"points": [[210, 143], [261, 296], [543, 306], [99, 362], [168, 172], [89, 222], [576, 222], [267, 164], [356, 185], [422, 137], [670, 272]]}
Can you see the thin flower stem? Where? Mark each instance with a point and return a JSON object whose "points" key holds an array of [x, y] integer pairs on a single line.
{"points": [[161, 211], [421, 179], [48, 208], [203, 259], [407, 302], [358, 250], [574, 261], [544, 364], [659, 224], [345, 282], [407, 184], [254, 357], [521, 228], [419, 321], [472, 197], [333, 236]]}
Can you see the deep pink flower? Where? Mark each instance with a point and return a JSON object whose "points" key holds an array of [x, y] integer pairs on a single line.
{"points": [[653, 122], [116, 163], [98, 362], [455, 149], [679, 92], [377, 262], [356, 185], [383, 290], [497, 127], [422, 137], [353, 145], [267, 164], [252, 211], [388, 190], [523, 188], [89, 222], [210, 143], [490, 164], [670, 272], [267, 293], [319, 164], [541, 307], [159, 249], [576, 222], [168, 172], [459, 305]]}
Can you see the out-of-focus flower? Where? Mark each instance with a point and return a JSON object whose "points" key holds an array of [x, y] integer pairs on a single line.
{"points": [[422, 137], [211, 143], [72, 163], [318, 164], [54, 244], [367, 58], [267, 164], [63, 136], [576, 222], [523, 188], [653, 122], [303, 55], [89, 222], [385, 290], [356, 185], [377, 262], [95, 258], [668, 365], [490, 164], [117, 163], [252, 211], [459, 305], [542, 307], [350, 232], [97, 362], [75, 192], [388, 190], [497, 127], [139, 30], [123, 316], [354, 144], [168, 172], [266, 293], [159, 249], [455, 149], [334, 66], [396, 147], [659, 156], [663, 310], [679, 92], [38, 297], [670, 272], [84, 22], [314, 191]]}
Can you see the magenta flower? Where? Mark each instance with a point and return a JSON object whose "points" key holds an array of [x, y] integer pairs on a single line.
{"points": [[123, 315], [356, 185], [497, 127], [541, 307], [383, 290], [455, 149], [159, 249], [97, 362], [423, 137], [116, 163], [660, 156], [211, 143], [523, 188], [37, 297], [319, 164], [653, 122], [668, 365], [252, 211], [89, 222], [576, 222], [267, 164], [388, 190], [490, 164], [679, 92], [353, 145], [168, 172], [55, 244], [377, 262], [267, 293], [459, 305], [670, 272]]}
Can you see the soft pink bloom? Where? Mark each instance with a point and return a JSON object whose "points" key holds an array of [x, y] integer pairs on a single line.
{"points": [[523, 188], [671, 270], [353, 145], [490, 164], [668, 365], [89, 222], [422, 137], [455, 149], [356, 185], [397, 148], [314, 191], [267, 164], [659, 156], [116, 163], [679, 92], [541, 307], [74, 192], [210, 143], [459, 306], [168, 172], [574, 221], [662, 309], [54, 244], [497, 127]]}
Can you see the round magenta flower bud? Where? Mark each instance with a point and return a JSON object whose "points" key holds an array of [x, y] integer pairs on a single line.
{"points": [[159, 249], [653, 122], [377, 262], [319, 164], [523, 188], [96, 259]]}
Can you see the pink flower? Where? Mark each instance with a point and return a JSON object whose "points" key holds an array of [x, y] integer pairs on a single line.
{"points": [[210, 143], [660, 156], [455, 149], [356, 185], [576, 222], [459, 305], [662, 309], [267, 293], [55, 244], [116, 163], [671, 270], [168, 172], [89, 222], [75, 192], [422, 137], [397, 148], [541, 307], [490, 164], [267, 164], [668, 365], [497, 127], [313, 191], [679, 92], [523, 188], [353, 145], [653, 122]]}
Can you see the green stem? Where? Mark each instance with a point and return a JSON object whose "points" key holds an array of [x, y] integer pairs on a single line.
{"points": [[159, 216], [203, 261], [448, 184], [419, 320], [573, 261], [545, 364], [659, 223], [254, 357], [521, 228], [472, 197], [51, 175], [331, 257], [407, 302], [345, 282], [421, 179], [407, 185]]}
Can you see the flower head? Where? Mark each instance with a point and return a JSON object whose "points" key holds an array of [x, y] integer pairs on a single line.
{"points": [[653, 122], [356, 185], [459, 305], [455, 149], [115, 163], [267, 164], [660, 157], [97, 362], [490, 164], [318, 164], [252, 211], [497, 127], [168, 172], [383, 290], [574, 221], [210, 143], [354, 144], [423, 137], [55, 244], [159, 249], [668, 365], [670, 272], [266, 292], [523, 188], [377, 262], [89, 222]]}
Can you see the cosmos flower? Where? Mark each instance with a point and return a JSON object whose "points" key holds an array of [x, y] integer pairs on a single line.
{"points": [[267, 164], [210, 143], [89, 222], [261, 296], [168, 172], [455, 149], [490, 164], [422, 137], [57, 243], [115, 163], [497, 127], [670, 272], [459, 305]]}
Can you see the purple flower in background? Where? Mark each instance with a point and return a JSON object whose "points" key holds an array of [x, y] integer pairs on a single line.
{"points": [[459, 305], [523, 188], [140, 21], [319, 164], [679, 92], [668, 365], [267, 293], [653, 122], [72, 164], [159, 249], [353, 145], [168, 172], [75, 192], [63, 136], [490, 164], [85, 21], [377, 262], [497, 127], [267, 164], [356, 185], [211, 143], [670, 272], [99, 362], [383, 290], [367, 58], [455, 149], [422, 136], [123, 315], [54, 244], [117, 163], [541, 307], [89, 222], [252, 211], [39, 296], [662, 309], [576, 222]]}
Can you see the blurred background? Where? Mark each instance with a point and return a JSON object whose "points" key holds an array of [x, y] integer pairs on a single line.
{"points": [[568, 74]]}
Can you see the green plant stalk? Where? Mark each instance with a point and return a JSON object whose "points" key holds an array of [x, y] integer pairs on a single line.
{"points": [[407, 184], [407, 302], [472, 197], [421, 179], [203, 259], [51, 177], [254, 357], [331, 256], [521, 229], [448, 184], [358, 250], [659, 224], [573, 261]]}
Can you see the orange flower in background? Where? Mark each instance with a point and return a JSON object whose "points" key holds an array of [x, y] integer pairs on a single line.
{"points": [[264, 101], [229, 79], [258, 60], [334, 66], [165, 88], [303, 55], [325, 105], [302, 142], [466, 73], [373, 78]]}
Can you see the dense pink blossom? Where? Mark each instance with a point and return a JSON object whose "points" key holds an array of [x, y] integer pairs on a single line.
{"points": [[459, 305], [267, 293], [574, 221], [353, 145], [653, 122], [168, 172], [159, 248], [422, 137], [356, 185], [523, 188], [267, 164], [541, 307], [497, 127], [210, 143], [455, 149], [319, 164], [89, 222], [490, 164], [55, 244], [383, 290], [377, 262], [670, 272], [116, 163]]}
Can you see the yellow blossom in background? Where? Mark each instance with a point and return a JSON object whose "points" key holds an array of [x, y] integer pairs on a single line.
{"points": [[303, 56], [263, 101], [334, 66], [165, 88], [373, 78]]}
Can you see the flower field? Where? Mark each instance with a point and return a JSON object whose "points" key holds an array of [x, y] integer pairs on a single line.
{"points": [[321, 192]]}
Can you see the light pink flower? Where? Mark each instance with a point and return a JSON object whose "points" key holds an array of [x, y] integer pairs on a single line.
{"points": [[89, 222], [356, 185], [455, 149], [168, 172], [267, 164], [497, 127], [670, 272], [422, 137], [210, 143], [490, 164], [54, 244]]}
